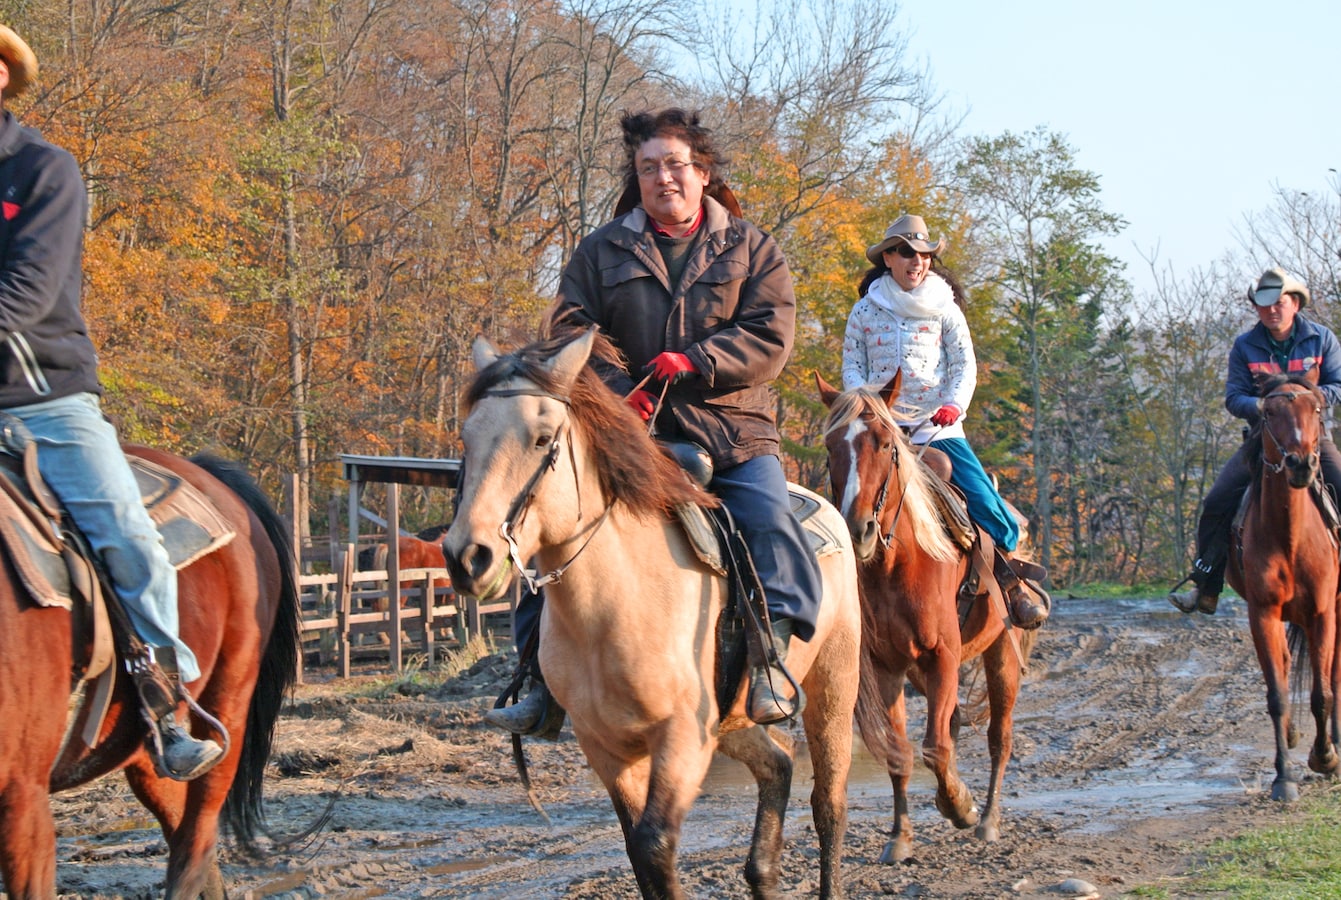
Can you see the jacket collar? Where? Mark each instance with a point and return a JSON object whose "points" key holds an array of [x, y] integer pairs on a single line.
{"points": [[716, 221]]}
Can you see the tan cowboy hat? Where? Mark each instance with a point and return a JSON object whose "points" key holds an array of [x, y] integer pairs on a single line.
{"points": [[910, 230], [20, 59], [1274, 282]]}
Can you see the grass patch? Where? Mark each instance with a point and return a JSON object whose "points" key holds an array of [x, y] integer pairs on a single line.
{"points": [[1301, 859]]}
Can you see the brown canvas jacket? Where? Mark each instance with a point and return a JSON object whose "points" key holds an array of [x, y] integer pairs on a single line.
{"points": [[733, 315]]}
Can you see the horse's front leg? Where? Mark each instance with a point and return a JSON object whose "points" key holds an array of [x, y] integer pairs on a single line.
{"points": [[1323, 757], [899, 764], [953, 799], [1268, 633]]}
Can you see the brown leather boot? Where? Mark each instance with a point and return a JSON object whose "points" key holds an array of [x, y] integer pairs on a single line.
{"points": [[1026, 601]]}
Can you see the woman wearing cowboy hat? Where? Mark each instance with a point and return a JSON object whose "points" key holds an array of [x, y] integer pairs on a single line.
{"points": [[1282, 341], [909, 319]]}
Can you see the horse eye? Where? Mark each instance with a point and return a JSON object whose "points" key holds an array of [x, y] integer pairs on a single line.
{"points": [[543, 441]]}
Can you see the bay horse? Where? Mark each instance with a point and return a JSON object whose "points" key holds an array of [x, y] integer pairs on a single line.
{"points": [[909, 572], [1284, 565], [239, 612], [561, 473]]}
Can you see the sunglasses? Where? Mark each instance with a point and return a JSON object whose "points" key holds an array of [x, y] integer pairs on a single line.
{"points": [[907, 252]]}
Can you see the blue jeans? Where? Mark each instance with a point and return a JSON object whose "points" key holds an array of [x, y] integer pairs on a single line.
{"points": [[81, 459], [985, 505]]}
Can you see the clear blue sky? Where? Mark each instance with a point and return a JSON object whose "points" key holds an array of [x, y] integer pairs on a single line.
{"points": [[1190, 111]]}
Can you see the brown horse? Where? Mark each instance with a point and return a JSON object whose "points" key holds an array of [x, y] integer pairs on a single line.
{"points": [[1284, 565], [560, 472], [910, 571], [239, 613]]}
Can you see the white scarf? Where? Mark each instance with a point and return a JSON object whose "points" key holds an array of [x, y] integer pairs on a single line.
{"points": [[930, 298]]}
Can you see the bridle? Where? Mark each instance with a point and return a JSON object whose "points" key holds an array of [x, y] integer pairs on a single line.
{"points": [[521, 504], [1314, 457]]}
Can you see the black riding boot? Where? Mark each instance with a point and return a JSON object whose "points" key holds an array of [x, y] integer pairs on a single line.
{"points": [[176, 753], [538, 713], [1027, 602], [767, 701]]}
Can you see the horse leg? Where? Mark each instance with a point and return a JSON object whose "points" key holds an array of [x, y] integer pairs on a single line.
{"points": [[189, 817], [828, 725], [1002, 670], [771, 767], [1322, 758], [652, 796], [953, 799], [899, 765], [27, 839], [1273, 657]]}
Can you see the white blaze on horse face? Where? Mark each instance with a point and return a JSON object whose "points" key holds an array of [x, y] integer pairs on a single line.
{"points": [[855, 429]]}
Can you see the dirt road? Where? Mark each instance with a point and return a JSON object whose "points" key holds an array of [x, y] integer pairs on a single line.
{"points": [[1141, 734]]}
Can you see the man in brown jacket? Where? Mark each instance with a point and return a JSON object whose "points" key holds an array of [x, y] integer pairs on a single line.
{"points": [[703, 301]]}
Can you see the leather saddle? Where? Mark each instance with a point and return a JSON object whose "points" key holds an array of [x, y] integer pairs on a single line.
{"points": [[57, 569]]}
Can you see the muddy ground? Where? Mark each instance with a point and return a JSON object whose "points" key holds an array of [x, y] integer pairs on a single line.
{"points": [[1141, 736]]}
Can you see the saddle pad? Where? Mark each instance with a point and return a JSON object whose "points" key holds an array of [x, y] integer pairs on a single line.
{"points": [[805, 505], [190, 525]]}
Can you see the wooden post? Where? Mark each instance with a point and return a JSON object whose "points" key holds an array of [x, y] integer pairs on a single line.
{"points": [[344, 590], [393, 570]]}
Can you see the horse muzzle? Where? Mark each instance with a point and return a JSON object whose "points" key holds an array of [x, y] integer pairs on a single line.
{"points": [[476, 570], [1300, 470], [865, 532]]}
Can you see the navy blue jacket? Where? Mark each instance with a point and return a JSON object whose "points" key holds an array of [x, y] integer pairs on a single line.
{"points": [[45, 351], [1314, 347]]}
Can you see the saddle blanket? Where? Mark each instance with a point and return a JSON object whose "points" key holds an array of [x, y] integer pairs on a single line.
{"points": [[190, 525], [805, 504]]}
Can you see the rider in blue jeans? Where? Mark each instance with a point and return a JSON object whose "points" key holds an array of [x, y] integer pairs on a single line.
{"points": [[48, 380]]}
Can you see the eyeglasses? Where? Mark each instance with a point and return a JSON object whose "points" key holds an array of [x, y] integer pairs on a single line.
{"points": [[652, 168]]}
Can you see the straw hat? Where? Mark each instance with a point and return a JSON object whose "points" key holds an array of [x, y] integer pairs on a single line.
{"points": [[20, 60]]}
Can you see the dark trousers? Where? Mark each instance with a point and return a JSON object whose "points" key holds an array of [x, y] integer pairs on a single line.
{"points": [[1222, 502]]}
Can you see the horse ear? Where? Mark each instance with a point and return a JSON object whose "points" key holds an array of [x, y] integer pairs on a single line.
{"points": [[483, 352], [567, 363], [828, 393], [1312, 375], [890, 392]]}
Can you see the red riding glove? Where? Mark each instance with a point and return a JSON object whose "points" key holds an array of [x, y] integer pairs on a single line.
{"points": [[643, 403], [671, 367], [946, 415]]}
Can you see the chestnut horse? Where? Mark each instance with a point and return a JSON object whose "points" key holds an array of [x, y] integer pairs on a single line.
{"points": [[1284, 565], [561, 473], [910, 571], [239, 613]]}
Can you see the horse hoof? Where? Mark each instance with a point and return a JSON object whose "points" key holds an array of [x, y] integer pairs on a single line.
{"points": [[896, 851], [988, 832], [961, 812], [1326, 764], [1284, 791]]}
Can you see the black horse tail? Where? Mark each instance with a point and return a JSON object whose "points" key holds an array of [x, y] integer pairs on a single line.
{"points": [[243, 810], [1301, 673]]}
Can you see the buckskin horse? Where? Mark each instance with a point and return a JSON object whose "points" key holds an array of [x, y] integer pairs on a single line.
{"points": [[910, 572], [560, 472], [1284, 565], [239, 613]]}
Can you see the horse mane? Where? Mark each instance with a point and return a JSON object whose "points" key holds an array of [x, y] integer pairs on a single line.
{"points": [[1252, 444], [918, 506], [632, 467]]}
